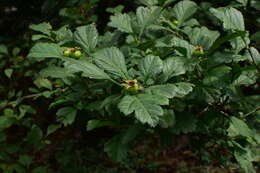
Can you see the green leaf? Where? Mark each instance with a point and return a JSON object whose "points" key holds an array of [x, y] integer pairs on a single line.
{"points": [[23, 109], [52, 128], [231, 18], [16, 51], [88, 69], [149, 2], [167, 90], [205, 94], [39, 36], [131, 133], [25, 160], [46, 50], [150, 67], [191, 22], [113, 61], [255, 54], [44, 28], [168, 2], [183, 46], [118, 146], [146, 107], [34, 136], [183, 10], [66, 115], [239, 44], [248, 76], [8, 72], [238, 127], [43, 83], [202, 37], [183, 88], [115, 149], [171, 90], [173, 66], [225, 39], [86, 37], [221, 57], [55, 72], [110, 101], [6, 121], [93, 124], [168, 119], [242, 158], [122, 22], [218, 77], [164, 41], [3, 49], [117, 9], [185, 123], [63, 35], [255, 4], [256, 36], [147, 16], [244, 2]]}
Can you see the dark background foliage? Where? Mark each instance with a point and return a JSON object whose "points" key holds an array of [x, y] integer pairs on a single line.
{"points": [[71, 148]]}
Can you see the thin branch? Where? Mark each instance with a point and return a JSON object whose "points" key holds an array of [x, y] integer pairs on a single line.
{"points": [[251, 112], [214, 107], [30, 96], [204, 110]]}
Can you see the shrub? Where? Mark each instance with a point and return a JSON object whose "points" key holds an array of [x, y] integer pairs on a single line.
{"points": [[163, 70]]}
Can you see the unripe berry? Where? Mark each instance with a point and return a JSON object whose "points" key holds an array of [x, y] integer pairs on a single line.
{"points": [[67, 53], [175, 22], [77, 54]]}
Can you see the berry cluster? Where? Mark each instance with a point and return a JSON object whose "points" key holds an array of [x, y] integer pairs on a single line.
{"points": [[72, 52]]}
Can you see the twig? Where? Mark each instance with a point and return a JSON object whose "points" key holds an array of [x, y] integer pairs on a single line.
{"points": [[31, 96], [204, 110], [251, 112], [40, 94], [215, 107], [28, 97]]}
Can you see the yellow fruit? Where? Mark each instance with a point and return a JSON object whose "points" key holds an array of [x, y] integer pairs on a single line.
{"points": [[67, 53]]}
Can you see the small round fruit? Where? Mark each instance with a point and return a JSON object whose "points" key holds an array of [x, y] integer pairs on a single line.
{"points": [[197, 53], [133, 89], [67, 53], [175, 22], [77, 54], [136, 87]]}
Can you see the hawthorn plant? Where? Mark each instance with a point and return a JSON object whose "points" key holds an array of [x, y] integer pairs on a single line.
{"points": [[162, 68]]}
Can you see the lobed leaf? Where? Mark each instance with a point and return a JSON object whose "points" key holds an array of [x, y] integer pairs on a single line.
{"points": [[183, 10], [122, 22], [112, 60], [66, 115], [146, 107], [147, 16], [231, 18], [86, 37], [44, 28], [150, 67], [202, 37], [46, 50]]}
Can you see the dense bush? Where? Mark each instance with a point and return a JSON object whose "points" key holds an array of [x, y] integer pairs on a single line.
{"points": [[161, 77]]}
